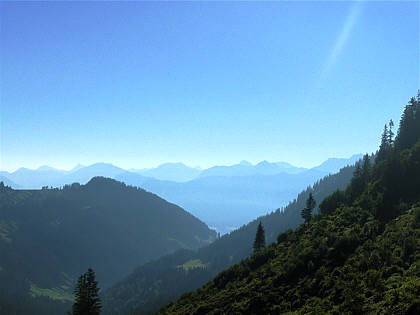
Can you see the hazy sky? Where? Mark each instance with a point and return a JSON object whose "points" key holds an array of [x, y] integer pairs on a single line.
{"points": [[205, 83]]}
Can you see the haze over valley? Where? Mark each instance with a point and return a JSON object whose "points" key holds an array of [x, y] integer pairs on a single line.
{"points": [[224, 197]]}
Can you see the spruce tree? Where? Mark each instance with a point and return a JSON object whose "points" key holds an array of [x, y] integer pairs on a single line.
{"points": [[259, 242], [390, 132], [383, 148], [87, 301], [306, 212]]}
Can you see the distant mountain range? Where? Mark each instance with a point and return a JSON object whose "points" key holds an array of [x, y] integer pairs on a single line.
{"points": [[247, 169], [175, 172], [225, 197]]}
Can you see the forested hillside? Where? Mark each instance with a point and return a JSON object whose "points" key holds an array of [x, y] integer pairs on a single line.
{"points": [[156, 283], [359, 255], [49, 236]]}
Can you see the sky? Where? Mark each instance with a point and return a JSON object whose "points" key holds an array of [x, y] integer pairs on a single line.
{"points": [[138, 84]]}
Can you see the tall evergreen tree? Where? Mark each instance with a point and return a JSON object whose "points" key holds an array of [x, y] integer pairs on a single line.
{"points": [[306, 212], [383, 148], [259, 242], [87, 301], [390, 132]]}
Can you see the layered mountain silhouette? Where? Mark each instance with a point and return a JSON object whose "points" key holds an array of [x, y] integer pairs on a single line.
{"points": [[225, 202], [175, 172], [225, 197]]}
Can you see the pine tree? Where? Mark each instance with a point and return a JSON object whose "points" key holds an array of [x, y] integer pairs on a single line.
{"points": [[383, 148], [390, 132], [86, 294], [306, 212], [94, 302], [259, 242]]}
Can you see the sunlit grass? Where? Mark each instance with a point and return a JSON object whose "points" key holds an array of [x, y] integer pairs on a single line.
{"points": [[192, 264], [57, 294]]}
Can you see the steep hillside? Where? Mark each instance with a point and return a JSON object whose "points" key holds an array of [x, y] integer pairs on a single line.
{"points": [[48, 237], [338, 265], [359, 255], [156, 283]]}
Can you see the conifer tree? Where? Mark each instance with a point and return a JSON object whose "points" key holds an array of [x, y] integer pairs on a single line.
{"points": [[259, 242], [390, 132], [383, 148], [306, 212], [87, 301]]}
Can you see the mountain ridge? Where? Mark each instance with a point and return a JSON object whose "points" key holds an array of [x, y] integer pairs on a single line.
{"points": [[49, 236]]}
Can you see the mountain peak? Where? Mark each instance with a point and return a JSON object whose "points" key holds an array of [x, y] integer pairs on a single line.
{"points": [[332, 165], [264, 163], [46, 168]]}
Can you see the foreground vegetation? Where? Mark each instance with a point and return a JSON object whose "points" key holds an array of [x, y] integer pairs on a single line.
{"points": [[359, 255]]}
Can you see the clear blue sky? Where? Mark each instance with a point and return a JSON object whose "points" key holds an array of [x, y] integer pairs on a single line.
{"points": [[205, 83]]}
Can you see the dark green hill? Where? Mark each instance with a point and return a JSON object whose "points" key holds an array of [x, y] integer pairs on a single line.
{"points": [[49, 237], [156, 283], [359, 255]]}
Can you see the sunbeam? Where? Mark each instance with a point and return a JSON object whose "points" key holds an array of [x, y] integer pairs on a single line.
{"points": [[342, 39]]}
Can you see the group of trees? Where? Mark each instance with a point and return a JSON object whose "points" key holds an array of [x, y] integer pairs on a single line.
{"points": [[409, 129], [387, 140]]}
